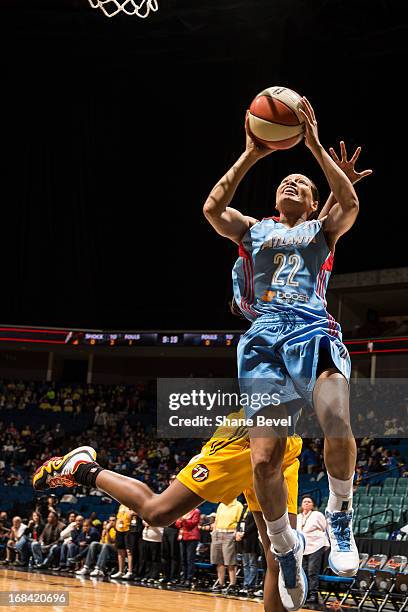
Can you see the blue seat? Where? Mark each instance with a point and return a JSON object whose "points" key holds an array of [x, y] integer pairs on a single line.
{"points": [[402, 487], [388, 490], [333, 579], [365, 500], [375, 490], [381, 535]]}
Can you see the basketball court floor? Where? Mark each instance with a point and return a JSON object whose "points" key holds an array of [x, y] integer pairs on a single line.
{"points": [[97, 596]]}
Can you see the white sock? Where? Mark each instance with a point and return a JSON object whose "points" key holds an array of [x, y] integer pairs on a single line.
{"points": [[281, 534], [341, 494]]}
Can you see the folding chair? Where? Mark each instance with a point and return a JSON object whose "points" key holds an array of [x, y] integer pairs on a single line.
{"points": [[388, 577], [401, 590], [364, 580], [333, 586], [369, 572], [205, 576]]}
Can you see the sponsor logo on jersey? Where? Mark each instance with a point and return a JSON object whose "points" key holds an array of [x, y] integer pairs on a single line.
{"points": [[292, 297], [200, 472], [268, 296], [282, 241]]}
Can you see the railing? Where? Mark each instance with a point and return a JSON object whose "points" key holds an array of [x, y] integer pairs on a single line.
{"points": [[371, 530]]}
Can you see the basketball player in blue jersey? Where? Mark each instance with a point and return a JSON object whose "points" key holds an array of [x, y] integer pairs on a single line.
{"points": [[293, 347]]}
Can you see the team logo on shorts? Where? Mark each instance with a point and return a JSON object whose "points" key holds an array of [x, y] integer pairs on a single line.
{"points": [[200, 472]]}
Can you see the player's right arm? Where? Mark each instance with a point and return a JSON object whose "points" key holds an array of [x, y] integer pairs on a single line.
{"points": [[348, 167], [227, 221]]}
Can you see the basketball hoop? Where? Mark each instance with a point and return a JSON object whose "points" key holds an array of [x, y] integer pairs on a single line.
{"points": [[140, 8]]}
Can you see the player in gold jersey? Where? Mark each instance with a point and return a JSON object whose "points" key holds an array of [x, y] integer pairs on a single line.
{"points": [[219, 473]]}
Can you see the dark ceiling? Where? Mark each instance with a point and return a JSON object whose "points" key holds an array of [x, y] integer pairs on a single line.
{"points": [[115, 130]]}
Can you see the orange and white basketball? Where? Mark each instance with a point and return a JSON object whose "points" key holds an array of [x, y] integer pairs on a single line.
{"points": [[274, 118]]}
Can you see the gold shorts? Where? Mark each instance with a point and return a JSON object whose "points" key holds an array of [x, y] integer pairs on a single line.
{"points": [[223, 470]]}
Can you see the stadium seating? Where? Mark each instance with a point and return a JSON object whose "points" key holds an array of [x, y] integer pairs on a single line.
{"points": [[389, 485], [381, 535], [366, 500], [402, 487], [375, 491], [378, 508]]}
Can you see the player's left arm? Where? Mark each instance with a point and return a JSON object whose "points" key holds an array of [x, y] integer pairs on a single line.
{"points": [[349, 168], [344, 213]]}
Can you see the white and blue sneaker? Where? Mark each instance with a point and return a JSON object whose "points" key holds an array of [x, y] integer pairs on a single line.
{"points": [[292, 580], [343, 559]]}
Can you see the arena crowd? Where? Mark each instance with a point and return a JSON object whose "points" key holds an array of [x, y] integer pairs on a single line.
{"points": [[39, 420]]}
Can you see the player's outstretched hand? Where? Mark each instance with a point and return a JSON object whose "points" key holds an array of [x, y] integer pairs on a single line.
{"points": [[311, 130], [254, 148], [348, 165]]}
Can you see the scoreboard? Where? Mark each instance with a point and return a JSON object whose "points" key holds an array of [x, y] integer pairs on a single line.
{"points": [[117, 338], [37, 335], [156, 339]]}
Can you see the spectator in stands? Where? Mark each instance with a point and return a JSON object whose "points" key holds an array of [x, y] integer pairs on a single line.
{"points": [[264, 566], [133, 544], [31, 534], [13, 478], [223, 550], [189, 537], [83, 540], [4, 530], [309, 459], [45, 504], [15, 534], [26, 431], [374, 465], [93, 517], [100, 553], [204, 546], [389, 462], [163, 450], [359, 477], [171, 551], [151, 553], [66, 546], [312, 524], [49, 536], [247, 536], [53, 504], [123, 518]]}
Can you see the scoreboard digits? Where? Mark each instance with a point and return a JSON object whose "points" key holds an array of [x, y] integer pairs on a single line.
{"points": [[161, 339]]}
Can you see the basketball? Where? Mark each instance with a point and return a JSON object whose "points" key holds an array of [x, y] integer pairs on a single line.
{"points": [[274, 119]]}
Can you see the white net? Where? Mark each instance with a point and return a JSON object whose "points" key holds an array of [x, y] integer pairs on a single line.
{"points": [[111, 8]]}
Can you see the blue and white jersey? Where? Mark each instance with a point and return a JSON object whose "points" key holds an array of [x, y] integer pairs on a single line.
{"points": [[283, 270]]}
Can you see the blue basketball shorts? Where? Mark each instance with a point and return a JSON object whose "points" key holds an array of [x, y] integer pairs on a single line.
{"points": [[279, 355]]}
